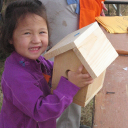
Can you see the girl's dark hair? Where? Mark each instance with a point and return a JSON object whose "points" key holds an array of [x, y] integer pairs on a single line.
{"points": [[14, 11]]}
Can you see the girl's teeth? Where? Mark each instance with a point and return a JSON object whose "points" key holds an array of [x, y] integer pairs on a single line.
{"points": [[34, 48]]}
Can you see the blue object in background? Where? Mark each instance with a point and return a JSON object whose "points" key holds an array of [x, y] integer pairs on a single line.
{"points": [[75, 2]]}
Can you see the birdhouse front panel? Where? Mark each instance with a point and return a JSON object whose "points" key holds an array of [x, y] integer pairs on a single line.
{"points": [[69, 61]]}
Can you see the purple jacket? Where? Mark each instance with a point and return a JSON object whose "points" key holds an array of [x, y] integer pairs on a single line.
{"points": [[27, 101]]}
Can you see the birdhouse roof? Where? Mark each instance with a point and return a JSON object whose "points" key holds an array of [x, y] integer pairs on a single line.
{"points": [[91, 47]]}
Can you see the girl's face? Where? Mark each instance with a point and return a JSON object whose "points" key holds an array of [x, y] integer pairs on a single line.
{"points": [[30, 38]]}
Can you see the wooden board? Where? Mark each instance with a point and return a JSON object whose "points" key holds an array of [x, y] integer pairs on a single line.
{"points": [[111, 109], [69, 60], [96, 53]]}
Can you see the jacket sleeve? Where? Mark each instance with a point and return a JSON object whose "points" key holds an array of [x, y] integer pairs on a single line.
{"points": [[28, 98]]}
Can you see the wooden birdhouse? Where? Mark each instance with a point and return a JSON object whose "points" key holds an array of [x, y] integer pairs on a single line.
{"points": [[89, 47]]}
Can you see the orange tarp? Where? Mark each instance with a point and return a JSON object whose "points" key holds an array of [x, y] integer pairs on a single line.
{"points": [[89, 9]]}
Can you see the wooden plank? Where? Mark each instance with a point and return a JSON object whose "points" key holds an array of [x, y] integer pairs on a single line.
{"points": [[96, 53], [111, 108]]}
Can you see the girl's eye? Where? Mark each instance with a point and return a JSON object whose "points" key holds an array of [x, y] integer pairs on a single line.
{"points": [[42, 32], [26, 33]]}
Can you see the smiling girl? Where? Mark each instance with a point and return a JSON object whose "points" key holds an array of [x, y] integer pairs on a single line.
{"points": [[26, 80]]}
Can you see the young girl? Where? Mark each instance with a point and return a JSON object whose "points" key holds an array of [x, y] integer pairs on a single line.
{"points": [[27, 101]]}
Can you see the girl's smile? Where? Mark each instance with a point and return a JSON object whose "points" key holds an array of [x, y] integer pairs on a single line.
{"points": [[35, 49], [30, 38]]}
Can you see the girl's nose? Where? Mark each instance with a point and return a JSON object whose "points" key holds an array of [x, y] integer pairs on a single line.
{"points": [[36, 39]]}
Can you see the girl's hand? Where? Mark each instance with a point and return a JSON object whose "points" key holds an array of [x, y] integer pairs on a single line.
{"points": [[104, 8], [78, 78]]}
